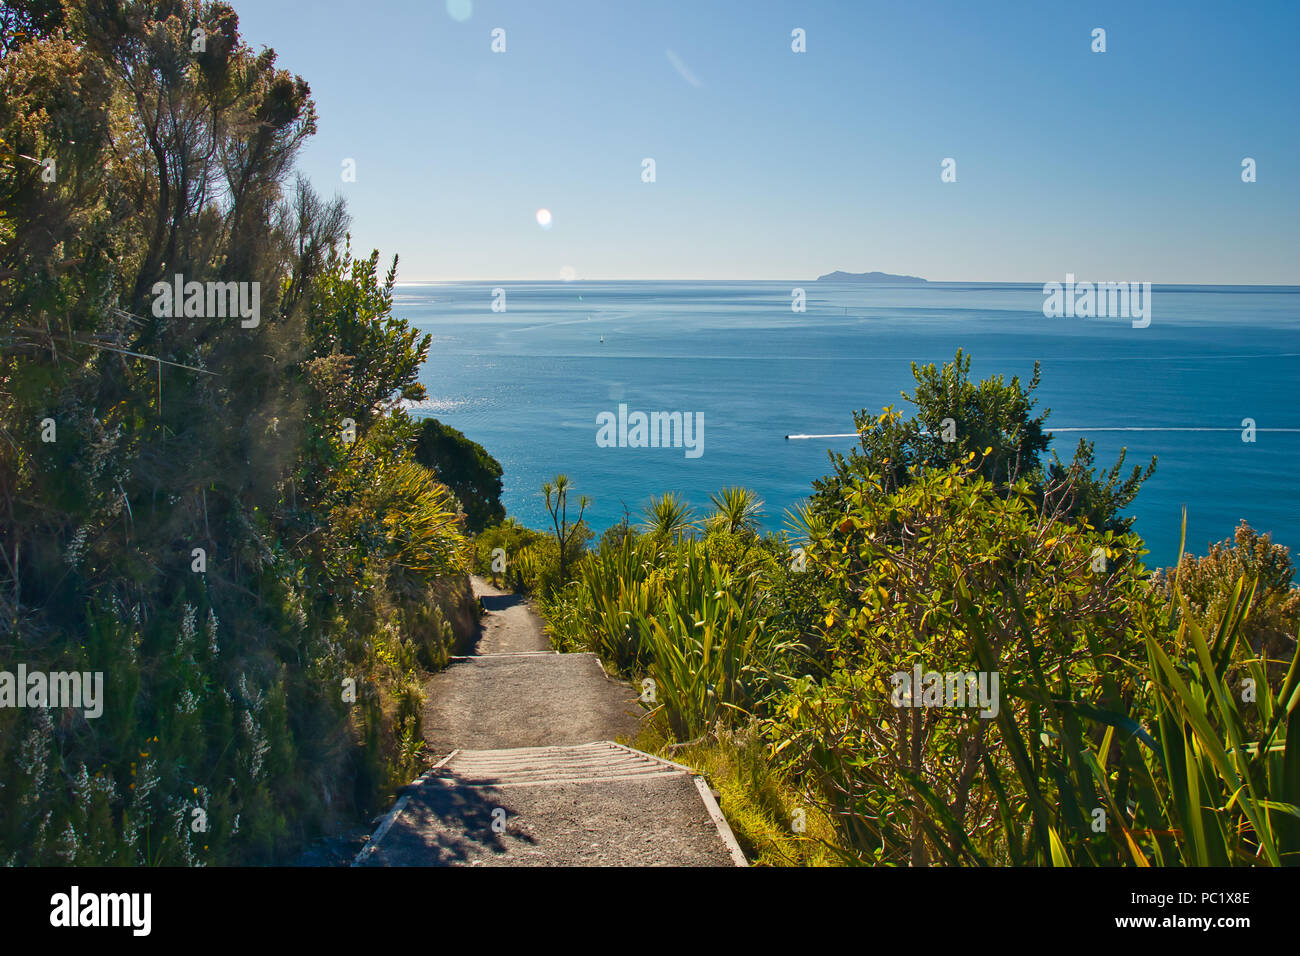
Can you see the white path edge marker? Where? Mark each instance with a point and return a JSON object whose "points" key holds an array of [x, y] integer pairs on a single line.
{"points": [[710, 804], [724, 828], [398, 807]]}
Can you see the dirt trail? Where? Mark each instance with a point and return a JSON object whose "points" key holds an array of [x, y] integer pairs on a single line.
{"points": [[510, 626], [514, 691], [529, 774]]}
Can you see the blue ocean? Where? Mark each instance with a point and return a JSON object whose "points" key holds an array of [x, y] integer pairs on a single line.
{"points": [[529, 381]]}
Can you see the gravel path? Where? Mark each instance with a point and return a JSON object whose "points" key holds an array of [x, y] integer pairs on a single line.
{"points": [[516, 692], [509, 626], [590, 805], [530, 775], [488, 703]]}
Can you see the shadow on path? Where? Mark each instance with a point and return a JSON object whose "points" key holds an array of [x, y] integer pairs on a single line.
{"points": [[453, 826], [500, 602]]}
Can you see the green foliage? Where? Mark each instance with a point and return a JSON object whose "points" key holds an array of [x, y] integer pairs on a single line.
{"points": [[1135, 721], [614, 535], [993, 420], [690, 615], [374, 358], [1214, 782], [667, 519], [466, 468], [1118, 740], [432, 634], [514, 540], [223, 683], [1232, 769], [949, 575], [1208, 584], [531, 559], [708, 648], [602, 608], [736, 511], [1096, 498]]}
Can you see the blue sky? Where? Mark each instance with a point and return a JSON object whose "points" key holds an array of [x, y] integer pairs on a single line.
{"points": [[1123, 165]]}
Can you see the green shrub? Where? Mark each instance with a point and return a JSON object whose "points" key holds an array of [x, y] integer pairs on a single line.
{"points": [[993, 420], [1118, 738], [230, 522], [514, 540], [707, 646], [466, 468], [1208, 583], [949, 575]]}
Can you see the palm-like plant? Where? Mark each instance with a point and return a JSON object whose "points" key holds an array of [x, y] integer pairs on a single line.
{"points": [[1230, 758], [805, 523], [667, 517], [737, 509], [558, 507], [1215, 781]]}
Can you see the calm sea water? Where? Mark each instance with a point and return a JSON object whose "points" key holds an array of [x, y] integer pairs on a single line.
{"points": [[528, 384]]}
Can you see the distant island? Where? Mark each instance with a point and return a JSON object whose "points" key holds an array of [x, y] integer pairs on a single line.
{"points": [[867, 277]]}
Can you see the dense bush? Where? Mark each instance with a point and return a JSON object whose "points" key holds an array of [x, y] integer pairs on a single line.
{"points": [[993, 420], [684, 605], [223, 518], [1207, 584], [503, 552], [1135, 720], [466, 468], [948, 575]]}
